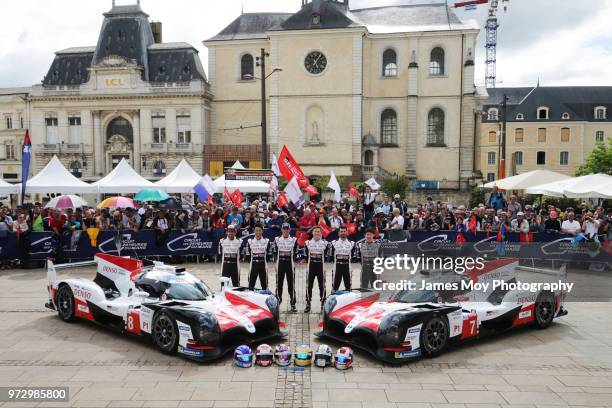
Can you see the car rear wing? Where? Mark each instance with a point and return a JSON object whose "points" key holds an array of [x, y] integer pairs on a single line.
{"points": [[52, 268]]}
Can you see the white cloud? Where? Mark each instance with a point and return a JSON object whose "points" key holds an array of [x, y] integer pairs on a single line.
{"points": [[571, 43]]}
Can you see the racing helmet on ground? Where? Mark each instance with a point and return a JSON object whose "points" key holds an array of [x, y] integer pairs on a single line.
{"points": [[282, 355], [323, 356], [243, 356], [344, 358], [264, 355], [302, 356]]}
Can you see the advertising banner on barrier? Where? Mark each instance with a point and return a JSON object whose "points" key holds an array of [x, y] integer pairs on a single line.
{"points": [[440, 243]]}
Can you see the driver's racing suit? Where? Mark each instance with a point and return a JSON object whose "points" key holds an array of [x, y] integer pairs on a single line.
{"points": [[285, 252], [258, 251], [229, 249]]}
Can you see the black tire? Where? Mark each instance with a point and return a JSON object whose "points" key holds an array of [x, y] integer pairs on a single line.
{"points": [[434, 336], [544, 310], [165, 333], [64, 300]]}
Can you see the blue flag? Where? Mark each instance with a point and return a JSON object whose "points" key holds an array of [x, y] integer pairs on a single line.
{"points": [[25, 163], [205, 188]]}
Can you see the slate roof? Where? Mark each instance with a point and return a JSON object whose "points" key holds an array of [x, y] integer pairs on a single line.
{"points": [[249, 26], [579, 101], [413, 16], [126, 32]]}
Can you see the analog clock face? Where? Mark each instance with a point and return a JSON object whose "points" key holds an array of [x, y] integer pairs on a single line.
{"points": [[315, 62]]}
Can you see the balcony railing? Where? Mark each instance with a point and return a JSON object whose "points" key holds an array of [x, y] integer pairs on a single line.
{"points": [[49, 147], [75, 148]]}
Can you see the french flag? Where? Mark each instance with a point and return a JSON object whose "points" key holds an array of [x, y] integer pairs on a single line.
{"points": [[205, 188]]}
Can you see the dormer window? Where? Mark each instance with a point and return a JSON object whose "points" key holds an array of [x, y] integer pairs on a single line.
{"points": [[565, 116], [492, 114], [543, 112], [316, 19], [600, 113], [520, 116]]}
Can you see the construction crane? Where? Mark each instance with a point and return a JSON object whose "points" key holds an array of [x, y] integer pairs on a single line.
{"points": [[491, 27]]}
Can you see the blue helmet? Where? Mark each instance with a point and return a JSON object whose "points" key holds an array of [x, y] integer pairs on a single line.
{"points": [[243, 356]]}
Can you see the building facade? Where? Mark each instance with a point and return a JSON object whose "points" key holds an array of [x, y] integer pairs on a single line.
{"points": [[130, 96], [368, 92], [13, 122], [552, 128]]}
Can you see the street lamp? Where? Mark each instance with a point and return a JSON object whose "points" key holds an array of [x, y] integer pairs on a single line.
{"points": [[261, 62]]}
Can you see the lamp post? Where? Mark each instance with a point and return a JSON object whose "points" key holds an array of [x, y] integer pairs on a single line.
{"points": [[261, 63], [502, 158]]}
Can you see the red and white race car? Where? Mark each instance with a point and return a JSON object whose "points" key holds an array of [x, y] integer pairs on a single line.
{"points": [[172, 307], [412, 323]]}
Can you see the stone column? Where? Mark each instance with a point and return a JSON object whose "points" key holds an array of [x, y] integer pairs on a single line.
{"points": [[136, 162], [99, 161]]}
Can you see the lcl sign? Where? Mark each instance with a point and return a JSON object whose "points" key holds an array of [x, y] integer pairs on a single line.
{"points": [[114, 82]]}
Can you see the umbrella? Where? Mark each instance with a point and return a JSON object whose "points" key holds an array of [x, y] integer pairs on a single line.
{"points": [[151, 194], [66, 201], [526, 180], [121, 202]]}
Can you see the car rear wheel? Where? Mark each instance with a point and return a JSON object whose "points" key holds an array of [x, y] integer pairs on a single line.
{"points": [[544, 310], [65, 303], [165, 333], [434, 336]]}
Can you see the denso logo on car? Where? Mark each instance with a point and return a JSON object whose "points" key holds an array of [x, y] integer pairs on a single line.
{"points": [[81, 293]]}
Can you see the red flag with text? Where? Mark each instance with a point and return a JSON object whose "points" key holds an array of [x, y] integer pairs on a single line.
{"points": [[311, 190], [227, 195], [237, 197], [289, 168], [325, 229], [282, 201]]}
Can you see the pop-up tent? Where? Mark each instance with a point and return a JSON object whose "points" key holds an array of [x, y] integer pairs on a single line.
{"points": [[8, 188], [526, 180], [180, 180], [245, 186], [589, 186], [122, 180], [55, 178]]}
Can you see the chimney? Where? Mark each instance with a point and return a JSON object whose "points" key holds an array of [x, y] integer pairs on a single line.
{"points": [[156, 28]]}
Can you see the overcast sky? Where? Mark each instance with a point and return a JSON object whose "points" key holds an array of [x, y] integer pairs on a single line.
{"points": [[561, 42]]}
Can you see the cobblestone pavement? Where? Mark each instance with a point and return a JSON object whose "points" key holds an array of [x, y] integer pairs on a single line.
{"points": [[570, 364]]}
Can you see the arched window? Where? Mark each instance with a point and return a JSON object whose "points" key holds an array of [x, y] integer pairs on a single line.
{"points": [[436, 62], [159, 168], [600, 112], [368, 158], [75, 169], [565, 116], [120, 126], [542, 112], [389, 65], [435, 127], [388, 127], [492, 114], [247, 71], [519, 116]]}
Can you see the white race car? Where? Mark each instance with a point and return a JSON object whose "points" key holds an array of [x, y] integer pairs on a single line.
{"points": [[172, 307]]}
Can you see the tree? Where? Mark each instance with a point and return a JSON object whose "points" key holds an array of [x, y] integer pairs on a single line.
{"points": [[395, 185], [599, 161]]}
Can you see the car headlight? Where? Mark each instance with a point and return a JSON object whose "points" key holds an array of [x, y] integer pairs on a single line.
{"points": [[210, 332], [388, 332], [272, 303], [329, 305]]}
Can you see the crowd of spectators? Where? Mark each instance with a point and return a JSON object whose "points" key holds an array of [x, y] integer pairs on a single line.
{"points": [[372, 210]]}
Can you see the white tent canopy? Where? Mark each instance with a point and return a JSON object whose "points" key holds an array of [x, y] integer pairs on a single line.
{"points": [[238, 166], [592, 186], [55, 178], [527, 180], [245, 186], [589, 186], [122, 180], [8, 188], [180, 180]]}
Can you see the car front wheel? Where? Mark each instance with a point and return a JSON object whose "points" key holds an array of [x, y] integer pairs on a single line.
{"points": [[434, 336], [544, 310], [165, 333], [64, 299]]}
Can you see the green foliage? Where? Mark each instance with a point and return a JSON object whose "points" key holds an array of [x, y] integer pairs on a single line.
{"points": [[392, 186], [477, 195], [599, 161]]}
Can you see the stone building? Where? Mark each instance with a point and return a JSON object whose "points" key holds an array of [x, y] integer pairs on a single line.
{"points": [[130, 96], [548, 127], [376, 91]]}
